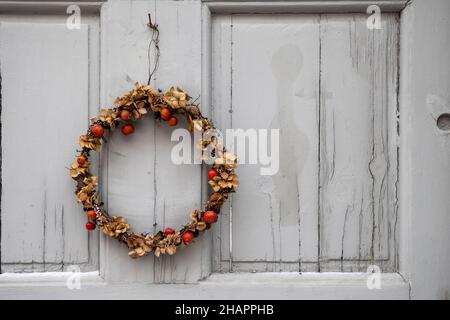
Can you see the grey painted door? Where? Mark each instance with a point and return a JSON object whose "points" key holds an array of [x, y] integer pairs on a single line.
{"points": [[362, 176]]}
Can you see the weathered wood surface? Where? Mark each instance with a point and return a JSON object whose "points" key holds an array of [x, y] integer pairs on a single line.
{"points": [[259, 77], [46, 99], [221, 96], [231, 286], [284, 222], [329, 83], [358, 143], [36, 237], [425, 149], [141, 181]]}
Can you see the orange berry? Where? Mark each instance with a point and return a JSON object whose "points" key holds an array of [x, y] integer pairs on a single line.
{"points": [[97, 130], [91, 214], [212, 173], [169, 231], [166, 113], [127, 129], [90, 225], [210, 217], [125, 115], [172, 121], [81, 160], [187, 237]]}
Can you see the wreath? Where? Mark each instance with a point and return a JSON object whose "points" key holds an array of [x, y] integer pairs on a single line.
{"points": [[139, 102]]}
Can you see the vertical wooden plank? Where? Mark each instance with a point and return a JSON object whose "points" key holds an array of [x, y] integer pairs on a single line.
{"points": [[386, 124], [143, 184], [178, 186], [308, 176], [44, 108], [273, 87], [206, 102], [94, 106], [358, 142], [128, 163], [220, 113], [425, 149]]}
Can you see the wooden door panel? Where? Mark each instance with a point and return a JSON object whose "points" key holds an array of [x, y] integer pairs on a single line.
{"points": [[358, 157], [333, 204], [263, 51], [45, 95]]}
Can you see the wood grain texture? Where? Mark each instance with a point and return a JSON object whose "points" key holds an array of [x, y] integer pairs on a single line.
{"points": [[46, 94], [344, 244], [254, 88], [283, 54], [425, 149], [338, 128], [358, 143], [220, 113], [142, 182]]}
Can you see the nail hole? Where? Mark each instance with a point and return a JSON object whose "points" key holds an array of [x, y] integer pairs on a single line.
{"points": [[443, 122]]}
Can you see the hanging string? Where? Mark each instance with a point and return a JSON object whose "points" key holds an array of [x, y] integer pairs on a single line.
{"points": [[154, 41]]}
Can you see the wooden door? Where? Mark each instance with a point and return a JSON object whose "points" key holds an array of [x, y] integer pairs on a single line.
{"points": [[363, 155]]}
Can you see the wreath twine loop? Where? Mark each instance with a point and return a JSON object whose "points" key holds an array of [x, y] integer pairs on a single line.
{"points": [[155, 41], [139, 102]]}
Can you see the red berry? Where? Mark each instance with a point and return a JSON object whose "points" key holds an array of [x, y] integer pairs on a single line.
{"points": [[210, 217], [212, 173], [81, 160], [187, 237], [90, 225], [172, 121], [169, 231], [166, 113], [91, 214], [125, 115], [127, 129], [97, 130]]}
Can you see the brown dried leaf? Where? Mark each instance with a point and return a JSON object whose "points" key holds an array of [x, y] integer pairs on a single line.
{"points": [[201, 226], [170, 250], [90, 142], [77, 170]]}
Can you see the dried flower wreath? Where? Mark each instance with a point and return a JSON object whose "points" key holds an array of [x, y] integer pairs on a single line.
{"points": [[132, 107]]}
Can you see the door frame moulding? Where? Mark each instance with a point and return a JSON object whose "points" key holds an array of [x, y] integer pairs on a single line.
{"points": [[67, 285], [317, 6], [48, 7]]}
